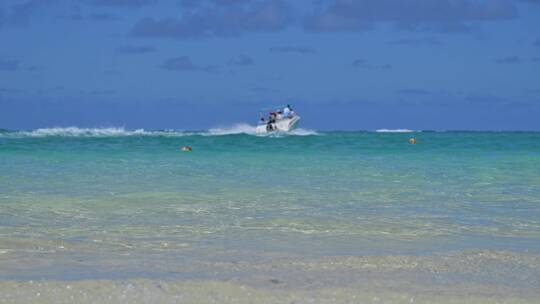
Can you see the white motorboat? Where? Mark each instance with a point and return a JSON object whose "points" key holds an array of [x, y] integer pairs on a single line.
{"points": [[278, 121], [280, 125]]}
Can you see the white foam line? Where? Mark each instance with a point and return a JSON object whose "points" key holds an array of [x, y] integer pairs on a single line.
{"points": [[91, 132], [239, 128], [395, 131]]}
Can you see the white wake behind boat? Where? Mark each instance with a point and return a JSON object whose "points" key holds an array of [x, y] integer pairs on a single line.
{"points": [[280, 125]]}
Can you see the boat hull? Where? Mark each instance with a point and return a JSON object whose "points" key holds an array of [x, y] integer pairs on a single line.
{"points": [[282, 125]]}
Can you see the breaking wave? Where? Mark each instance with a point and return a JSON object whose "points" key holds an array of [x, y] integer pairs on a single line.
{"points": [[303, 132], [89, 132], [240, 128], [395, 131]]}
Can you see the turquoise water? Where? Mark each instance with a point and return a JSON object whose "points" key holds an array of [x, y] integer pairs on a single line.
{"points": [[102, 203]]}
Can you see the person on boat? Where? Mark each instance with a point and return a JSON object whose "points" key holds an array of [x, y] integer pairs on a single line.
{"points": [[288, 112], [270, 125], [271, 121]]}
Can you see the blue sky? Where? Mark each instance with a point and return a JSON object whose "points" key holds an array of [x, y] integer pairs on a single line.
{"points": [[342, 64]]}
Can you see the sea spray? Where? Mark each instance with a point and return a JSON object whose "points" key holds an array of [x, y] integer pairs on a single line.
{"points": [[239, 128]]}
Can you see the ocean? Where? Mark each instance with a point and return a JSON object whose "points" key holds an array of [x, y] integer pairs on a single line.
{"points": [[110, 215]]}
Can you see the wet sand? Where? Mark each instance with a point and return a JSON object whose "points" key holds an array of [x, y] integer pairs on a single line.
{"points": [[460, 277]]}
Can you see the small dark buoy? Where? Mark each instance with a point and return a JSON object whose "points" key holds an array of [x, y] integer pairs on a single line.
{"points": [[412, 141], [186, 149]]}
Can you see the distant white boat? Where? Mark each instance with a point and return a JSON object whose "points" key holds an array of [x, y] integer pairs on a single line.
{"points": [[278, 121]]}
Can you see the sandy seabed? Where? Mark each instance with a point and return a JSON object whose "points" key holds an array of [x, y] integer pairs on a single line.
{"points": [[149, 291], [461, 277]]}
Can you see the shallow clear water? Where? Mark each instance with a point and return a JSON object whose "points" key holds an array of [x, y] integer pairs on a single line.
{"points": [[97, 204]]}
